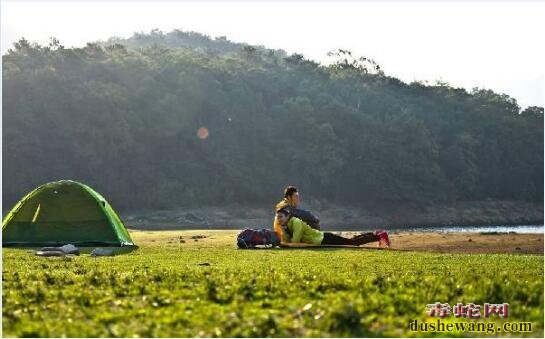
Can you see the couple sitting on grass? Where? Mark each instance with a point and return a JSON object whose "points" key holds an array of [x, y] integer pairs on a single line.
{"points": [[297, 226]]}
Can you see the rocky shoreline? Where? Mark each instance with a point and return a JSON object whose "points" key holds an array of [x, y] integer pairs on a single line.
{"points": [[336, 217]]}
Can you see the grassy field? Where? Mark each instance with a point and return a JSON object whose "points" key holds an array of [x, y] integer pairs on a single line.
{"points": [[175, 286]]}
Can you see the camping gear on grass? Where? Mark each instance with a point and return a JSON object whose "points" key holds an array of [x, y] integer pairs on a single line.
{"points": [[66, 249], [250, 238], [50, 253], [102, 252], [64, 212]]}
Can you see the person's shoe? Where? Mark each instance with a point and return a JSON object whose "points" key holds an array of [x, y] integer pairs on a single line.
{"points": [[383, 239]]}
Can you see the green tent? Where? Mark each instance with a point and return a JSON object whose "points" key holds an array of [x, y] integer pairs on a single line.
{"points": [[64, 212]]}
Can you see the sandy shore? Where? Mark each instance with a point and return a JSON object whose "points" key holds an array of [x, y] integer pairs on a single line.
{"points": [[470, 243]]}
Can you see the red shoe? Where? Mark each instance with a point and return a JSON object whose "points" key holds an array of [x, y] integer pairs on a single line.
{"points": [[383, 239]]}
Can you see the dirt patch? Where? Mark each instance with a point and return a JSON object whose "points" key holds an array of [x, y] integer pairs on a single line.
{"points": [[468, 242], [514, 243]]}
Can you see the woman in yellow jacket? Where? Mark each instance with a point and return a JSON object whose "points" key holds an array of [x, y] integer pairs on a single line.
{"points": [[290, 197]]}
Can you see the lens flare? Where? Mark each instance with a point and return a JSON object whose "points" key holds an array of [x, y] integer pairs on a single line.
{"points": [[203, 133]]}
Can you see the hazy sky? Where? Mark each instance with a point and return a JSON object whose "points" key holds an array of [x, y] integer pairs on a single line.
{"points": [[493, 45]]}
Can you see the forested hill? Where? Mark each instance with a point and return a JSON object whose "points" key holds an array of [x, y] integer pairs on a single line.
{"points": [[180, 119]]}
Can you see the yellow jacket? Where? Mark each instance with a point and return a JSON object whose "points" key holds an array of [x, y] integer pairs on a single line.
{"points": [[276, 225]]}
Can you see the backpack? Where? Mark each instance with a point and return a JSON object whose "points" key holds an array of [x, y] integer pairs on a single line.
{"points": [[307, 216], [250, 238]]}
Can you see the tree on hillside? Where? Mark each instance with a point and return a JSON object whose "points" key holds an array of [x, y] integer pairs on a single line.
{"points": [[123, 115]]}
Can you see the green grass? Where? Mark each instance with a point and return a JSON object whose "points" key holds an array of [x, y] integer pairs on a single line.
{"points": [[209, 288]]}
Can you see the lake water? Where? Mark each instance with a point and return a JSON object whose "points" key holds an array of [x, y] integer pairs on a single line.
{"points": [[475, 229]]}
